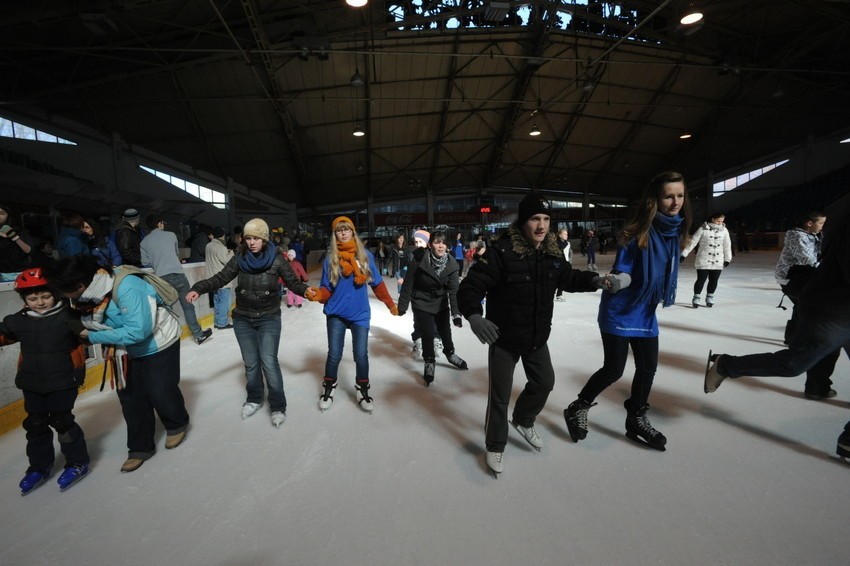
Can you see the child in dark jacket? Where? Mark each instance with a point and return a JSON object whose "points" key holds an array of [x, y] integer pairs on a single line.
{"points": [[51, 369]]}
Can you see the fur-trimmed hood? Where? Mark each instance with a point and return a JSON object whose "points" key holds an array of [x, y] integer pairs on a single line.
{"points": [[521, 246]]}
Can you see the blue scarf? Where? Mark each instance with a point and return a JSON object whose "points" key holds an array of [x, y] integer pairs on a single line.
{"points": [[660, 261], [257, 262]]}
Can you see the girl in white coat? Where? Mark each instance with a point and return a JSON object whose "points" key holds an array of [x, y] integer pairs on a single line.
{"points": [[715, 253]]}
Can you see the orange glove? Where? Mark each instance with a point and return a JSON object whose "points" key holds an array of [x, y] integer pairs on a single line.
{"points": [[318, 294], [383, 295]]}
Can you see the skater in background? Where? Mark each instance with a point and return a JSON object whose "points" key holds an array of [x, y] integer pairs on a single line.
{"points": [[101, 247], [126, 312], [347, 271], [216, 256], [382, 256], [713, 255], [823, 328], [298, 269], [518, 275], [431, 288], [14, 250], [257, 268], [564, 245], [646, 268], [421, 239], [800, 255], [398, 259], [51, 368], [591, 250], [458, 252]]}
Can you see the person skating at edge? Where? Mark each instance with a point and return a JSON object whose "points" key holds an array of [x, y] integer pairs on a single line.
{"points": [[298, 269], [646, 268], [592, 242], [347, 271], [714, 254], [159, 250], [127, 312], [822, 331], [518, 275], [566, 248], [431, 288], [51, 367], [257, 268], [800, 255]]}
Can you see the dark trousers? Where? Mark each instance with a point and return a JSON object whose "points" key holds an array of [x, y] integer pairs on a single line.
{"points": [[616, 349], [46, 410], [713, 276], [153, 384], [433, 326], [814, 348], [541, 380]]}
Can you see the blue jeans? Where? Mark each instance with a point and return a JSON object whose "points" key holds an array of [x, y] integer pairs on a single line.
{"points": [[153, 384], [259, 340], [336, 342], [221, 302], [179, 282]]}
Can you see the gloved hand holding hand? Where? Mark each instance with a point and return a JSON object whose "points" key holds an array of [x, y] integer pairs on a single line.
{"points": [[484, 330], [618, 281], [725, 264], [457, 320], [681, 258], [401, 312]]}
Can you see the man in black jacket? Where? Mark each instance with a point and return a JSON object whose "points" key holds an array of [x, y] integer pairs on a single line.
{"points": [[518, 275], [127, 238]]}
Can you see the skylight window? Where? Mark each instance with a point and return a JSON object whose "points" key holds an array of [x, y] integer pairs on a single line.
{"points": [[215, 198], [10, 129], [732, 183]]}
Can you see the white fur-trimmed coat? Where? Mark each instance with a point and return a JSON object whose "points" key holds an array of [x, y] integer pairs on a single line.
{"points": [[715, 246]]}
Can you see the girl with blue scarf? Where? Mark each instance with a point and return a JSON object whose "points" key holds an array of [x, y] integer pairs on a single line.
{"points": [[646, 267], [257, 267]]}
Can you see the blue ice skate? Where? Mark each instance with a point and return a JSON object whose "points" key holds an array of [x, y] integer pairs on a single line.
{"points": [[32, 480], [71, 475]]}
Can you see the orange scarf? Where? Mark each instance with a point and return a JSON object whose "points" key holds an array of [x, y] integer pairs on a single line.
{"points": [[348, 261]]}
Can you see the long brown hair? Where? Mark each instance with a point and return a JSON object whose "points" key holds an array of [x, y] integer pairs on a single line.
{"points": [[639, 225]]}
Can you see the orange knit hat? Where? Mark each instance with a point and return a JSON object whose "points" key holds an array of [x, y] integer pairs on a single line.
{"points": [[340, 220]]}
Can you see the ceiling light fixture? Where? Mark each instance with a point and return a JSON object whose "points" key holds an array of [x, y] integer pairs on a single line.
{"points": [[356, 3], [358, 132], [691, 15], [686, 135], [357, 79], [535, 131]]}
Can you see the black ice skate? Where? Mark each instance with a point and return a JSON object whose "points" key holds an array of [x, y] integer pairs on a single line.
{"points": [[640, 430], [576, 417]]}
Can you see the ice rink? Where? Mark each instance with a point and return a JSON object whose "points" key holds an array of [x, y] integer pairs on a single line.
{"points": [[748, 477]]}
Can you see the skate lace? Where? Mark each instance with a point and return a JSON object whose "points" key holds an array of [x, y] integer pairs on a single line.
{"points": [[364, 394], [329, 390], [496, 457], [579, 415], [645, 427]]}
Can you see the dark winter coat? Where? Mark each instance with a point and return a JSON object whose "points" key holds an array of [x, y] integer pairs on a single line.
{"points": [[397, 258], [52, 358], [72, 242], [428, 291], [105, 252], [827, 291], [257, 294], [129, 242], [519, 283]]}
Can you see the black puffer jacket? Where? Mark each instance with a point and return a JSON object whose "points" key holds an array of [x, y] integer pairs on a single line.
{"points": [[428, 291], [519, 283], [257, 294], [52, 358]]}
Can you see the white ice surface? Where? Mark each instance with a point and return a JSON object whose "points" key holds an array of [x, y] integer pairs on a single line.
{"points": [[748, 477]]}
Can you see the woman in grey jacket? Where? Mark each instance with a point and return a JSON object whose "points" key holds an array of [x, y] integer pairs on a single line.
{"points": [[714, 253], [256, 319], [431, 287]]}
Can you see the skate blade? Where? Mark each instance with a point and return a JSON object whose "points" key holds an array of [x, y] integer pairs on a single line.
{"points": [[33, 488], [73, 483], [495, 474], [639, 440]]}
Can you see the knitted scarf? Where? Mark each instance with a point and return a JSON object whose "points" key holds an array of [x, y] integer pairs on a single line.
{"points": [[348, 261], [258, 262], [439, 263], [660, 261], [94, 300]]}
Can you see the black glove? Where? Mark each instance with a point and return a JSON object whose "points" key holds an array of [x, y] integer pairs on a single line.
{"points": [[401, 312], [681, 259], [484, 330], [457, 320], [725, 264]]}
